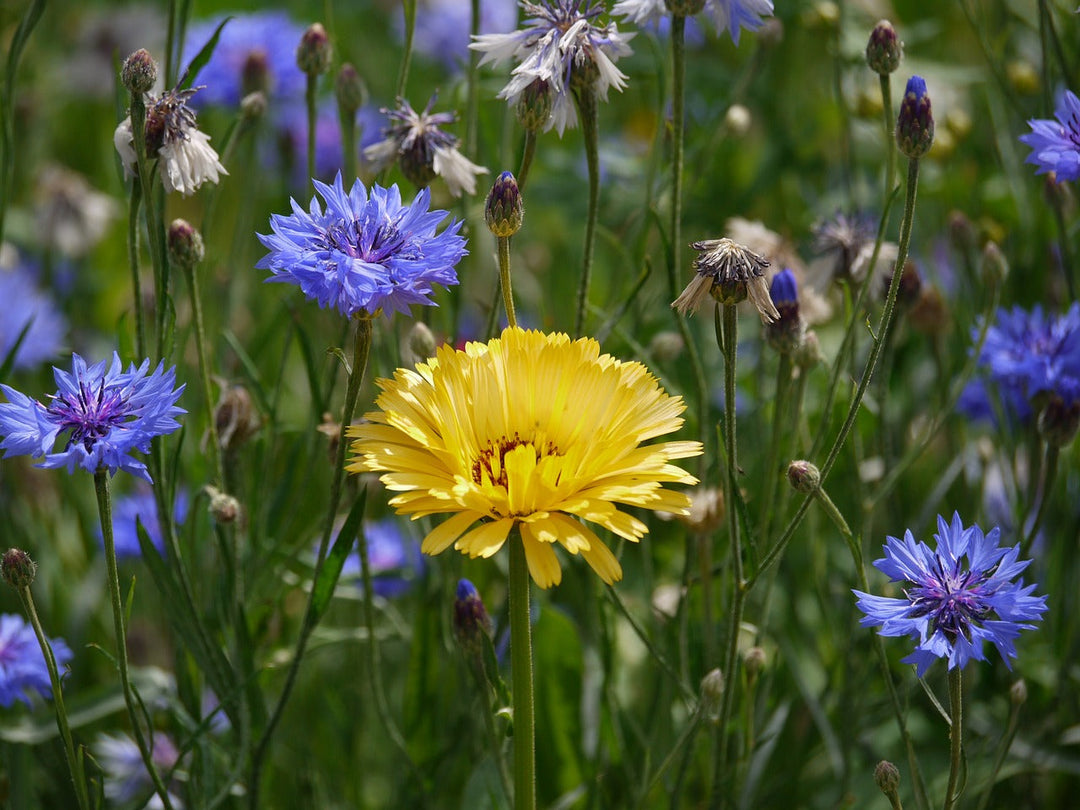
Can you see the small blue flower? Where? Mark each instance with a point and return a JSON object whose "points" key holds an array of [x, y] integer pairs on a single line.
{"points": [[126, 778], [962, 595], [784, 289], [106, 413], [260, 46], [1055, 145], [22, 665], [393, 555], [365, 251], [1028, 353], [141, 505], [28, 308]]}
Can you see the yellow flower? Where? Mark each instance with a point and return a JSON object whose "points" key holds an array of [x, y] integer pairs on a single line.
{"points": [[529, 429]]}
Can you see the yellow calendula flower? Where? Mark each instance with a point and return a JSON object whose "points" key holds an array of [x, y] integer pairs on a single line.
{"points": [[529, 429]]}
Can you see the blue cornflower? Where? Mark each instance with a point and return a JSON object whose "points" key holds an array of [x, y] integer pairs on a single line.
{"points": [[28, 308], [561, 47], [1029, 353], [126, 778], [22, 665], [254, 52], [140, 505], [1055, 145], [962, 595], [393, 555], [365, 251], [727, 15], [106, 412]]}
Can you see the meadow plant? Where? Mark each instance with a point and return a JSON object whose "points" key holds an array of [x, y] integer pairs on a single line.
{"points": [[700, 346]]}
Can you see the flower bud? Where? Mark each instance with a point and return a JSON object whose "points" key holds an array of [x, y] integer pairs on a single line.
{"points": [[961, 231], [809, 353], [785, 334], [1018, 693], [534, 105], [185, 244], [504, 210], [887, 777], [255, 73], [224, 508], [253, 106], [884, 51], [471, 619], [666, 346], [804, 477], [421, 343], [350, 89], [712, 695], [754, 662], [993, 267], [417, 163], [314, 53], [236, 418], [915, 124], [139, 72], [17, 568]]}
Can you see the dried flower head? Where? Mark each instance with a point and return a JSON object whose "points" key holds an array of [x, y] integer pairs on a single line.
{"points": [[726, 268]]}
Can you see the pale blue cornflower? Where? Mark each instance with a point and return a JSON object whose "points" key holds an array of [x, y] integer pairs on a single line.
{"points": [[1055, 145], [126, 778], [727, 15], [366, 251], [106, 414], [559, 46], [22, 664], [962, 595], [31, 315]]}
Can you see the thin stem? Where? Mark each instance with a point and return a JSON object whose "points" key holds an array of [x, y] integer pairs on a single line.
{"points": [[361, 349], [1057, 203], [890, 123], [521, 674], [472, 81], [738, 598], [409, 7], [1047, 477], [773, 474], [678, 124], [204, 372], [956, 735], [348, 143], [504, 279], [133, 260], [309, 100], [527, 154], [101, 485], [590, 130], [75, 763], [1002, 751]]}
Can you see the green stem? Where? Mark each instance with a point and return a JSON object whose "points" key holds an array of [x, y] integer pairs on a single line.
{"points": [[678, 124], [527, 155], [590, 130], [409, 7], [361, 348], [309, 99], [1058, 206], [504, 279], [1046, 484], [730, 348], [522, 679], [773, 473], [472, 81], [890, 140], [956, 735], [204, 372], [133, 260], [75, 762], [101, 485]]}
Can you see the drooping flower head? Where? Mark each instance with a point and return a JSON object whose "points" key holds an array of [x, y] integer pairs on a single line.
{"points": [[729, 272], [727, 15], [533, 431], [28, 313], [417, 143], [126, 778], [561, 46], [962, 594], [104, 414], [185, 157], [22, 664], [1055, 145], [364, 251]]}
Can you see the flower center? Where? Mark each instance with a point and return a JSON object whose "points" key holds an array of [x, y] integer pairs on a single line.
{"points": [[490, 465], [360, 239], [89, 416], [952, 599]]}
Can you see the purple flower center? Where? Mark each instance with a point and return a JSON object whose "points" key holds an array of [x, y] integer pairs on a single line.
{"points": [[375, 245], [951, 598], [90, 417]]}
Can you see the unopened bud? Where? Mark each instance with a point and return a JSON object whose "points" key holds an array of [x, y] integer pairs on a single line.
{"points": [[884, 51], [915, 123], [224, 508], [804, 477], [421, 342], [235, 417], [1018, 693], [994, 267], [712, 695], [185, 244], [887, 777], [17, 568], [314, 53], [255, 73], [253, 106], [809, 353], [504, 211], [754, 661], [666, 346], [139, 72], [471, 619], [350, 89], [534, 105]]}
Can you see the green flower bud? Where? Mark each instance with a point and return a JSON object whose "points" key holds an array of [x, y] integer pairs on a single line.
{"points": [[314, 53], [17, 568], [804, 477], [884, 51], [139, 72], [504, 210], [185, 244]]}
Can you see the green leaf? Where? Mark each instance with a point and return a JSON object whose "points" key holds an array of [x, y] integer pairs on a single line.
{"points": [[323, 589], [558, 671], [201, 58]]}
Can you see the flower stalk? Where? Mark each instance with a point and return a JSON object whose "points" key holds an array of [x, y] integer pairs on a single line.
{"points": [[590, 131], [521, 673], [956, 735]]}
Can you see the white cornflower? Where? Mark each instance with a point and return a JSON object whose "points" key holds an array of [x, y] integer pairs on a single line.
{"points": [[561, 46], [422, 150], [727, 15], [186, 159]]}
